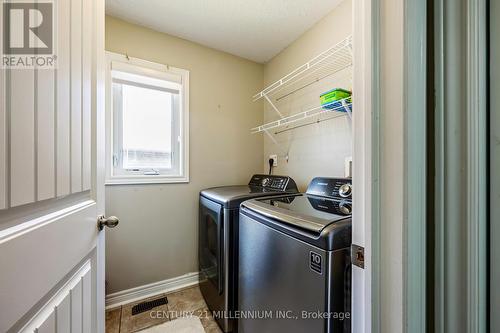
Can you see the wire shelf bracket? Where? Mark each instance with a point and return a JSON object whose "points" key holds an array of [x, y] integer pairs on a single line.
{"points": [[274, 106]]}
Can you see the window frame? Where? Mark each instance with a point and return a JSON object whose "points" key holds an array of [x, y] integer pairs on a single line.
{"points": [[157, 71]]}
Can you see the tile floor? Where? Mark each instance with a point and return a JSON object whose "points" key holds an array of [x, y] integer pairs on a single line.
{"points": [[184, 302]]}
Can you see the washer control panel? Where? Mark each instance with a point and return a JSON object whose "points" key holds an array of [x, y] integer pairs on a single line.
{"points": [[340, 188], [274, 183]]}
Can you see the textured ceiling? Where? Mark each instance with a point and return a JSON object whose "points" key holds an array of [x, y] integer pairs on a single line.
{"points": [[252, 29]]}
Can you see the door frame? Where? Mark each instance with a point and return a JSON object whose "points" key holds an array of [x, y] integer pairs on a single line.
{"points": [[99, 154], [369, 309], [365, 282], [469, 123], [415, 166], [493, 267]]}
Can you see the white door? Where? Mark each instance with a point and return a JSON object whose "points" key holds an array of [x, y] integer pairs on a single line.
{"points": [[51, 182]]}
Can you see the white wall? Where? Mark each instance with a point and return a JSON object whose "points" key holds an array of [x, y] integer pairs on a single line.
{"points": [[318, 149], [158, 232]]}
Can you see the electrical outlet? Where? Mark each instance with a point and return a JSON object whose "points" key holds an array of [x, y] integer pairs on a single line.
{"points": [[275, 159], [348, 167]]}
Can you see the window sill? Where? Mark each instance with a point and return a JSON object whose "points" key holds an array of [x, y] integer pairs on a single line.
{"points": [[144, 180]]}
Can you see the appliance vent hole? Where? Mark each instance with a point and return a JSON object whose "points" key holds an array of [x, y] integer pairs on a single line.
{"points": [[148, 305]]}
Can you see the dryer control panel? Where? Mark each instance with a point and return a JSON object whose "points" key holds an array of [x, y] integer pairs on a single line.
{"points": [[274, 183], [339, 188]]}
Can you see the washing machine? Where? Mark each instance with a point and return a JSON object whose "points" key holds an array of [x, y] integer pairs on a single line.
{"points": [[294, 261]]}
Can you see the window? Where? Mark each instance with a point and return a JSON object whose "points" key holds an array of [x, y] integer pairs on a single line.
{"points": [[147, 117]]}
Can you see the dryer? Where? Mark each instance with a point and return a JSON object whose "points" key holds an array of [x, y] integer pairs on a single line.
{"points": [[218, 240]]}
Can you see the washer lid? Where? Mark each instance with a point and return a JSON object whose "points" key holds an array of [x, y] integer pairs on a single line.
{"points": [[306, 212]]}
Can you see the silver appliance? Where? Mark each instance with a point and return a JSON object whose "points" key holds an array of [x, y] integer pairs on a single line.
{"points": [[218, 240], [294, 261]]}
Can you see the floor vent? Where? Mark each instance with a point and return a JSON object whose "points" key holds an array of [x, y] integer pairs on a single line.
{"points": [[146, 306]]}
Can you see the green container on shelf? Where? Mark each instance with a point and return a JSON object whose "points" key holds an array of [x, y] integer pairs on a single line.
{"points": [[330, 100]]}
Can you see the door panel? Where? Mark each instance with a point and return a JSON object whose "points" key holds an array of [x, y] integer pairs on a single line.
{"points": [[76, 308], [86, 94], [63, 314], [45, 139], [63, 99], [39, 255], [52, 182], [22, 141], [64, 311], [38, 155], [76, 95], [49, 325]]}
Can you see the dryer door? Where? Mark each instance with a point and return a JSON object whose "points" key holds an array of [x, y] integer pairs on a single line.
{"points": [[211, 242]]}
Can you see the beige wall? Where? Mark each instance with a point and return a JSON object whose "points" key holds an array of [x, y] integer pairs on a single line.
{"points": [[319, 149], [158, 231]]}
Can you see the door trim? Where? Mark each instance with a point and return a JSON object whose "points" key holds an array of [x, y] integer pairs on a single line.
{"points": [[366, 302], [368, 35], [415, 166], [476, 166], [493, 266], [467, 232], [98, 157]]}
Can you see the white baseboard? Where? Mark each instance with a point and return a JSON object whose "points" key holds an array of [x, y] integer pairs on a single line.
{"points": [[134, 294]]}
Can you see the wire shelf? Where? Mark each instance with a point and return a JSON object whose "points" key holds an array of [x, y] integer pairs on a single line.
{"points": [[331, 61], [341, 107]]}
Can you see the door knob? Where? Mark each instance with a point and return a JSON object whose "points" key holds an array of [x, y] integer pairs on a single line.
{"points": [[109, 222]]}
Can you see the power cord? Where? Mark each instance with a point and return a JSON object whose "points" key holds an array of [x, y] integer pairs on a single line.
{"points": [[271, 163]]}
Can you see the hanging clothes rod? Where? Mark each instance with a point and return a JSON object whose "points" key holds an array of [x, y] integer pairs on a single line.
{"points": [[304, 86], [311, 123]]}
